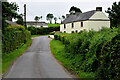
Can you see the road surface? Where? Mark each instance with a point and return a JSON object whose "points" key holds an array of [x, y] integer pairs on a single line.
{"points": [[37, 62]]}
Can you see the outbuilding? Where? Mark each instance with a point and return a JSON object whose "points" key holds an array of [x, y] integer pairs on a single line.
{"points": [[36, 24]]}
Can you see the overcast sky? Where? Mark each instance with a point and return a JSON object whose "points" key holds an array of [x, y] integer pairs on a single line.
{"points": [[59, 7]]}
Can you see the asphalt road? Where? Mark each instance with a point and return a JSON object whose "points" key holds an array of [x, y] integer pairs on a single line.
{"points": [[37, 62]]}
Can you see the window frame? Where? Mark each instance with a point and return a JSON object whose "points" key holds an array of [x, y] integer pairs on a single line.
{"points": [[76, 31], [64, 26], [72, 32], [82, 24], [72, 25]]}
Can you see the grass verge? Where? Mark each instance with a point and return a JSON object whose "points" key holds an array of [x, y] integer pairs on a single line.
{"points": [[7, 59], [58, 50]]}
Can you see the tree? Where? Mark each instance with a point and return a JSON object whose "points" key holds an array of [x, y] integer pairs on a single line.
{"points": [[41, 18], [37, 18], [74, 10], [9, 11], [20, 20], [50, 17], [114, 14], [60, 19], [55, 19], [63, 17]]}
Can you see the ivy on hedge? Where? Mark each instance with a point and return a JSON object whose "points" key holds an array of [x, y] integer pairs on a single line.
{"points": [[14, 37]]}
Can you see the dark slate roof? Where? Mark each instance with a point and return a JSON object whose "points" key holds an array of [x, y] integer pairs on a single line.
{"points": [[10, 22], [79, 17], [38, 23]]}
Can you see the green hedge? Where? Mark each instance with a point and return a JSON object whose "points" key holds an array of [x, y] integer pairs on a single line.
{"points": [[94, 51], [42, 31], [14, 37]]}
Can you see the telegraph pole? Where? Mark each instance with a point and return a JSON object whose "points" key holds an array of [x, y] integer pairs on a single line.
{"points": [[25, 16]]}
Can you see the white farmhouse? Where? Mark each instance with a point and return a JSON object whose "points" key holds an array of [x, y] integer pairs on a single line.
{"points": [[94, 19], [36, 24]]}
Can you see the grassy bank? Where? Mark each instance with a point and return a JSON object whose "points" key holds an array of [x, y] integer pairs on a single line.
{"points": [[53, 25], [7, 59], [58, 50]]}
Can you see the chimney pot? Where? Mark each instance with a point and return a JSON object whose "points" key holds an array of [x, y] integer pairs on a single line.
{"points": [[98, 8]]}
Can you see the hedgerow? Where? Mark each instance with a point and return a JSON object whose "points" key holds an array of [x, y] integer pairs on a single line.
{"points": [[95, 52], [14, 37], [42, 30]]}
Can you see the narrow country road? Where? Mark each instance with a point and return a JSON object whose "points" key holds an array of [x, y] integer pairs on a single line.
{"points": [[37, 62]]}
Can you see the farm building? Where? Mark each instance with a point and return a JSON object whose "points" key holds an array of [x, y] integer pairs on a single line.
{"points": [[36, 24], [94, 19]]}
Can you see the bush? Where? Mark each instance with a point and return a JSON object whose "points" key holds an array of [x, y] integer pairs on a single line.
{"points": [[14, 37], [32, 30], [42, 30], [98, 51], [110, 57]]}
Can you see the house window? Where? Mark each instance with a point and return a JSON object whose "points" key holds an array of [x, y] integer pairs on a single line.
{"points": [[64, 26], [72, 25], [81, 24], [64, 31], [72, 31], [76, 31]]}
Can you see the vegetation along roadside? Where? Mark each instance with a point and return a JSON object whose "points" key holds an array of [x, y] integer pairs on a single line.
{"points": [[93, 54], [15, 41]]}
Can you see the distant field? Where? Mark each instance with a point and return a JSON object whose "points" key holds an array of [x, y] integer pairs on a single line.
{"points": [[38, 35], [53, 25]]}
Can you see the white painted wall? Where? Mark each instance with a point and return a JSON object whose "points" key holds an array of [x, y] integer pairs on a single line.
{"points": [[36, 26], [94, 23], [78, 27], [99, 15], [62, 27], [45, 26], [68, 28], [40, 26], [88, 25]]}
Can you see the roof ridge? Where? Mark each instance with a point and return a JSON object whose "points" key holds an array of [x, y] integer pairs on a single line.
{"points": [[79, 17], [89, 11]]}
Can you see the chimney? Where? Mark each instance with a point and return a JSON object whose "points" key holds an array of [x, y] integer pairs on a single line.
{"points": [[98, 8], [67, 15]]}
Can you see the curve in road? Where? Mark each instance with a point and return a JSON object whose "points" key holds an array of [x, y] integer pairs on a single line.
{"points": [[37, 62]]}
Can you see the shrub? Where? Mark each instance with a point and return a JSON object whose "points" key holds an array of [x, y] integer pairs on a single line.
{"points": [[110, 57], [14, 37], [32, 29], [98, 51], [42, 30]]}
